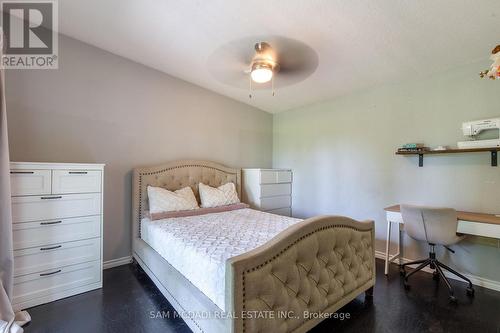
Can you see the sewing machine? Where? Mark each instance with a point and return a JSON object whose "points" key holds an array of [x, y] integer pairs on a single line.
{"points": [[473, 128]]}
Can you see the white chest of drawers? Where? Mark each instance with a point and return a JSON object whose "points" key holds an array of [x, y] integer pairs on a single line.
{"points": [[268, 190], [57, 230]]}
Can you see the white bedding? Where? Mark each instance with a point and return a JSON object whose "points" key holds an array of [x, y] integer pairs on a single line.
{"points": [[198, 246]]}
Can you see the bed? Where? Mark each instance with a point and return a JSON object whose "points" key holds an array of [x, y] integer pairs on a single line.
{"points": [[274, 274]]}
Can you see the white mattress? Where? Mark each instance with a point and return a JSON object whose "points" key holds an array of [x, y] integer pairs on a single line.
{"points": [[198, 246]]}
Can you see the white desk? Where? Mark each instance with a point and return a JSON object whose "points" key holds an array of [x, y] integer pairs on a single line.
{"points": [[477, 224]]}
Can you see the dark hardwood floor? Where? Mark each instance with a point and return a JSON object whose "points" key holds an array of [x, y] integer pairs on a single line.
{"points": [[128, 299]]}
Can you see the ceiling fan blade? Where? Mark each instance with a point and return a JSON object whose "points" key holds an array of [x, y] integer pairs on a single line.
{"points": [[230, 63]]}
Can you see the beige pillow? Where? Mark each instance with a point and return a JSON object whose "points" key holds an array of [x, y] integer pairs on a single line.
{"points": [[162, 200], [221, 196]]}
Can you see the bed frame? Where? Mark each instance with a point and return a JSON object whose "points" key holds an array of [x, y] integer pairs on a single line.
{"points": [[290, 284]]}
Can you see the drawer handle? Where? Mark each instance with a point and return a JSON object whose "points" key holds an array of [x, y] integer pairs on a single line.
{"points": [[51, 273], [51, 198], [50, 248], [22, 172], [48, 223], [78, 172]]}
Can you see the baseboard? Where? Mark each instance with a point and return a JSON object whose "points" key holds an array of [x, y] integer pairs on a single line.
{"points": [[117, 262], [476, 280], [56, 296]]}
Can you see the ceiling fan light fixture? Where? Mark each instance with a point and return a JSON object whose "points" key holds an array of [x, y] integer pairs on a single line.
{"points": [[261, 72]]}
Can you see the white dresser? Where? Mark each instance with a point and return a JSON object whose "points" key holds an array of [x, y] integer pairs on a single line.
{"points": [[57, 230], [269, 190]]}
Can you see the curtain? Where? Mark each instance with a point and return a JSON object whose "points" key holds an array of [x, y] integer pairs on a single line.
{"points": [[10, 322]]}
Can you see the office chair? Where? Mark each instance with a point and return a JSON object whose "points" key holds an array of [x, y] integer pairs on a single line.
{"points": [[436, 226]]}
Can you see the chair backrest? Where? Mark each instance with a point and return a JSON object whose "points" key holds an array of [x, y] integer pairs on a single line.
{"points": [[430, 224]]}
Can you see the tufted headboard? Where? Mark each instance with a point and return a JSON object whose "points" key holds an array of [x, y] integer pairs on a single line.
{"points": [[176, 175]]}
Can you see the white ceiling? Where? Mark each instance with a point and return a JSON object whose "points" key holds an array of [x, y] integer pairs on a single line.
{"points": [[360, 43]]}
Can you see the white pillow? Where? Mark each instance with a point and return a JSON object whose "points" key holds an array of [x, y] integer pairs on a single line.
{"points": [[221, 196], [162, 200]]}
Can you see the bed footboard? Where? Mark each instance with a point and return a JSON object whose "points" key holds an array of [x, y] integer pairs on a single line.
{"points": [[308, 271]]}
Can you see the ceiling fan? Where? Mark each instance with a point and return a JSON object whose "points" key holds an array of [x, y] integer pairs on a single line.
{"points": [[273, 62], [264, 64]]}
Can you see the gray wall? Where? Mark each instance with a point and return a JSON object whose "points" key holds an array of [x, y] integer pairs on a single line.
{"points": [[102, 108], [342, 155]]}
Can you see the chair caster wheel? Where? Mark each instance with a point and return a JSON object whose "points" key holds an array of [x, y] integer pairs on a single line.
{"points": [[435, 276], [453, 299], [470, 292]]}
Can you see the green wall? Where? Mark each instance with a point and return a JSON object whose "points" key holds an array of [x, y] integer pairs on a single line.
{"points": [[342, 155]]}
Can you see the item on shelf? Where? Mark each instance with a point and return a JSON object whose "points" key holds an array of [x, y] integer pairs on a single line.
{"points": [[422, 149], [439, 148], [413, 145], [472, 128]]}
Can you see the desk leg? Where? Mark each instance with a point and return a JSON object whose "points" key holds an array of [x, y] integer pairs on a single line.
{"points": [[400, 244], [387, 244]]}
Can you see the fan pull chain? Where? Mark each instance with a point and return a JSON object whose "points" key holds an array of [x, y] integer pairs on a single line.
{"points": [[250, 91], [272, 84]]}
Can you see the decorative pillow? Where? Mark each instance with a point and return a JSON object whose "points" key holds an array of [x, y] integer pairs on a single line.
{"points": [[195, 212], [221, 196], [162, 200]]}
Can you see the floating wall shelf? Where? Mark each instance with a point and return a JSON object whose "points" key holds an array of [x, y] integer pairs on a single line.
{"points": [[494, 152]]}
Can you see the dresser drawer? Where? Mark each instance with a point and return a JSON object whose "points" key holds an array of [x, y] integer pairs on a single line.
{"points": [[37, 259], [76, 181], [30, 182], [275, 202], [45, 283], [281, 211], [272, 190], [45, 233], [36, 208], [275, 176]]}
